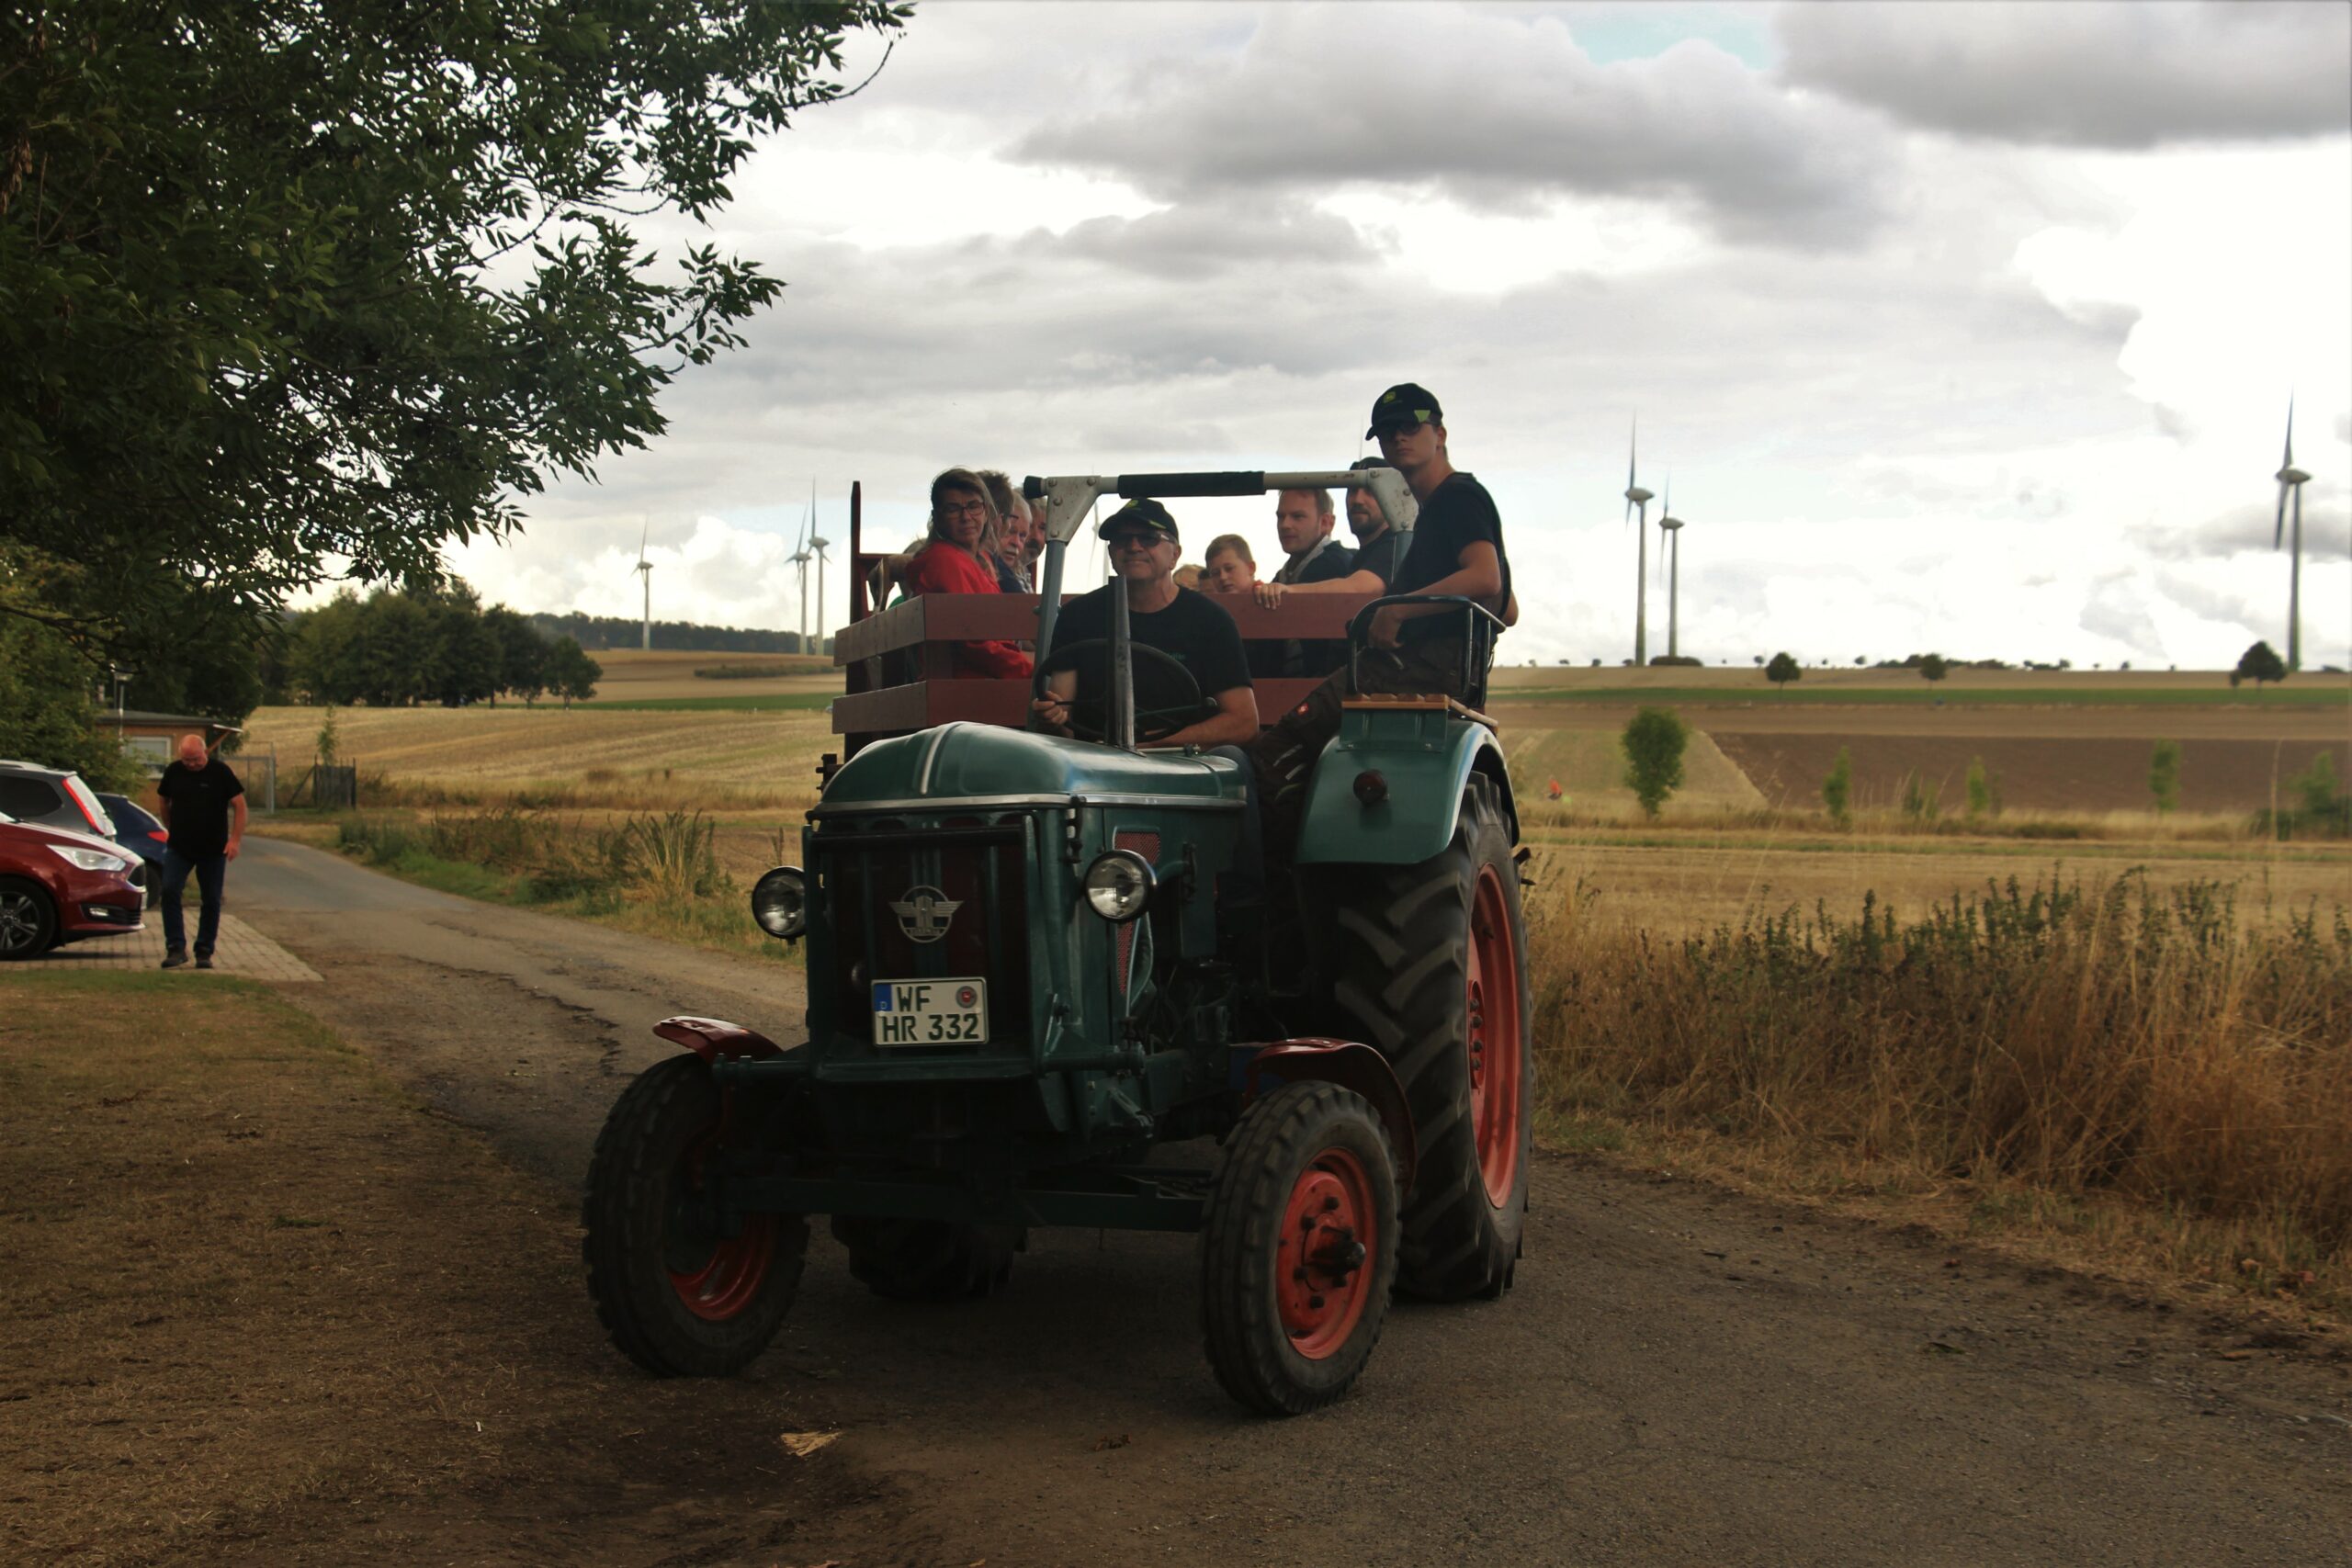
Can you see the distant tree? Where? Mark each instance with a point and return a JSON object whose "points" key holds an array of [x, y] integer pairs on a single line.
{"points": [[1860, 659], [1653, 742], [329, 744], [571, 674], [1759, 660], [522, 653], [2260, 663], [1984, 795], [1837, 789], [2125, 665], [1781, 670], [1932, 667], [2164, 776]]}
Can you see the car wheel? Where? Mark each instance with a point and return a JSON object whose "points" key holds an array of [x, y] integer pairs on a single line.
{"points": [[28, 919]]}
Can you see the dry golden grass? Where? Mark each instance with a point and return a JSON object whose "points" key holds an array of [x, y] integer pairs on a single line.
{"points": [[2133, 1066]]}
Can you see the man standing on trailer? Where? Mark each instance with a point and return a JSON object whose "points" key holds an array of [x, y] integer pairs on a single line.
{"points": [[1456, 548]]}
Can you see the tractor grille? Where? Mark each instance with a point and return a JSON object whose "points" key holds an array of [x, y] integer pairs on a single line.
{"points": [[977, 864]]}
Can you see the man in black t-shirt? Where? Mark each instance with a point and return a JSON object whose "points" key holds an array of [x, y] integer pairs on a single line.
{"points": [[203, 805], [1188, 627], [1193, 630], [1457, 547]]}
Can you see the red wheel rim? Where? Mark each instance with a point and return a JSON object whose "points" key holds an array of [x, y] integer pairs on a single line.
{"points": [[715, 1277], [1323, 1258], [1496, 1072]]}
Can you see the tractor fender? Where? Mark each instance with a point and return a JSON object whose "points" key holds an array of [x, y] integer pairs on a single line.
{"points": [[1350, 1066], [1424, 759], [715, 1040]]}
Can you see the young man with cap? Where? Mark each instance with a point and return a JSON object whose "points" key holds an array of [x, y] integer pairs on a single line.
{"points": [[1182, 622], [1456, 548]]}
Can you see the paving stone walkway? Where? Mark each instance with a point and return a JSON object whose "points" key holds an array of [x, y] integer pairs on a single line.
{"points": [[242, 951]]}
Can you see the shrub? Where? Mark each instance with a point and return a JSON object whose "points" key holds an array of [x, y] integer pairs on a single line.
{"points": [[2164, 776], [1984, 792], [1921, 801], [1653, 743], [1837, 789]]}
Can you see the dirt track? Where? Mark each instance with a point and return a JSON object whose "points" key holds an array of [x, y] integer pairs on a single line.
{"points": [[1681, 1376]]}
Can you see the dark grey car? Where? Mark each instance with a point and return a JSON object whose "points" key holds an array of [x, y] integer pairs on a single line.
{"points": [[52, 797]]}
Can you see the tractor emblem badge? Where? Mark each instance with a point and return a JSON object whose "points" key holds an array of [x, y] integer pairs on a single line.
{"points": [[925, 913]]}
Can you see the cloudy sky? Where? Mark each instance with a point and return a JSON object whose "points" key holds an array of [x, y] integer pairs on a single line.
{"points": [[1966, 327]]}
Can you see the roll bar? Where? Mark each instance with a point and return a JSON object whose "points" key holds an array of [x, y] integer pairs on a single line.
{"points": [[1069, 497]]}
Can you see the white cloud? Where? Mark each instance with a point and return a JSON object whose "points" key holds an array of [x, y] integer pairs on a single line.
{"points": [[2014, 417]]}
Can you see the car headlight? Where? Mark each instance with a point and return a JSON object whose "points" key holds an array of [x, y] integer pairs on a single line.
{"points": [[780, 902], [90, 860], [1119, 883]]}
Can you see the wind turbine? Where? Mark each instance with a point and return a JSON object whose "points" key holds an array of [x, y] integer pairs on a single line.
{"points": [[2290, 484], [1636, 497], [801, 558], [644, 568], [819, 544], [1671, 547]]}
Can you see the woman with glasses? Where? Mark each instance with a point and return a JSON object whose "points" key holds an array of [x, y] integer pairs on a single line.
{"points": [[961, 558]]}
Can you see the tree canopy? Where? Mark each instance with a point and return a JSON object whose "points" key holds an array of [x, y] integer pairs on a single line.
{"points": [[2259, 663], [1782, 670], [295, 287]]}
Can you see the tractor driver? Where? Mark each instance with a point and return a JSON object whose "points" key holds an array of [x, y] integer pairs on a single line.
{"points": [[1182, 622], [1456, 548], [1192, 629]]}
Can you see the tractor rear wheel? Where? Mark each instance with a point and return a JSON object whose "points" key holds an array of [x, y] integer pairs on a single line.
{"points": [[928, 1260], [683, 1292], [1298, 1248], [1427, 964]]}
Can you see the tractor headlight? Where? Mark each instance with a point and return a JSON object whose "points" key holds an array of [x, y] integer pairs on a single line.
{"points": [[780, 902], [1119, 883]]}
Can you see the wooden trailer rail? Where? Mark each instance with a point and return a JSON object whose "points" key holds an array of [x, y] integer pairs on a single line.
{"points": [[899, 662]]}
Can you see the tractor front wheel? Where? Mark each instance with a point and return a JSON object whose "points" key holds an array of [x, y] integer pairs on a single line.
{"points": [[683, 1290], [1298, 1248]]}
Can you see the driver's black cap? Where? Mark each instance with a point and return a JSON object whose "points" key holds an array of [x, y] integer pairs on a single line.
{"points": [[1404, 405], [1144, 514]]}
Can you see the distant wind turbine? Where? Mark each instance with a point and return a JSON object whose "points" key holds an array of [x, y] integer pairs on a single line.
{"points": [[801, 558], [1671, 547], [2291, 487], [819, 544], [1636, 497], [644, 568]]}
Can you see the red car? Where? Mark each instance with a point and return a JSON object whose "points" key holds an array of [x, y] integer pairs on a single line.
{"points": [[58, 887]]}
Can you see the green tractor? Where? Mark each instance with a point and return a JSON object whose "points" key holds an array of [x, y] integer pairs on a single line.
{"points": [[1019, 987]]}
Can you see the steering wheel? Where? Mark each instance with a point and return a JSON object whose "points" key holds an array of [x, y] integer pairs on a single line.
{"points": [[1091, 727]]}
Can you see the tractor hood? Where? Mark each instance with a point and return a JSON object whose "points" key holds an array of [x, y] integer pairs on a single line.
{"points": [[965, 761]]}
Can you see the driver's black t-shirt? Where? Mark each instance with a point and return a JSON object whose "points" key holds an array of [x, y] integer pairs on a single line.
{"points": [[1194, 630]]}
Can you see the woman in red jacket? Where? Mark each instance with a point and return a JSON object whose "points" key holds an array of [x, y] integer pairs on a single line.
{"points": [[960, 558]]}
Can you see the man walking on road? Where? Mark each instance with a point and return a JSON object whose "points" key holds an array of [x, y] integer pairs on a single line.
{"points": [[204, 807]]}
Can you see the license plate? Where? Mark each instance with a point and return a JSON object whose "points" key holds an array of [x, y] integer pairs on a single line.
{"points": [[931, 1013]]}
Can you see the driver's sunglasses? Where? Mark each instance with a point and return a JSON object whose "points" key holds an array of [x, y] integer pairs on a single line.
{"points": [[1132, 541]]}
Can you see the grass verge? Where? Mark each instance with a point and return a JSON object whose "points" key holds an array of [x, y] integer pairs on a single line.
{"points": [[2336, 694], [231, 1243], [2128, 1073], [653, 874]]}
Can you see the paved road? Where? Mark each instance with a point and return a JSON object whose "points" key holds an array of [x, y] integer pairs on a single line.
{"points": [[1682, 1376]]}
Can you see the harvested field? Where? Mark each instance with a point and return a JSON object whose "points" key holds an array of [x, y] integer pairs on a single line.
{"points": [[555, 756], [2083, 773]]}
